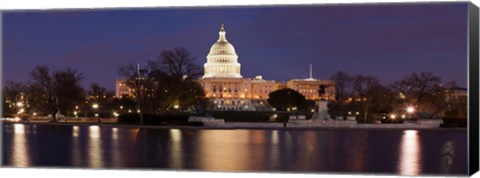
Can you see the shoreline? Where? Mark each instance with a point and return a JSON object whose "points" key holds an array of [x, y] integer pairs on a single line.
{"points": [[226, 127]]}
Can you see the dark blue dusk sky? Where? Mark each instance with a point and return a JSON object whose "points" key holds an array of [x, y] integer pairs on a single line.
{"points": [[389, 41]]}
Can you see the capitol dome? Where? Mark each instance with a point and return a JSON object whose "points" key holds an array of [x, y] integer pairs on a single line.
{"points": [[222, 60]]}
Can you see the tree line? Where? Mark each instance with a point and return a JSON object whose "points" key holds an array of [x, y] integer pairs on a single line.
{"points": [[364, 96], [422, 91], [164, 84]]}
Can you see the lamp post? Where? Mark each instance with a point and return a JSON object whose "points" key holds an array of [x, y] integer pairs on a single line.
{"points": [[410, 110], [95, 107]]}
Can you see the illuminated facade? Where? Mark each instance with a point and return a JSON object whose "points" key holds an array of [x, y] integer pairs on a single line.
{"points": [[121, 88], [225, 86], [309, 88], [222, 60]]}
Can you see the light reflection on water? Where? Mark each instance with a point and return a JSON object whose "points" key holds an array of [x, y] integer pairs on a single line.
{"points": [[176, 149], [95, 154], [288, 150], [76, 150], [275, 151], [220, 150], [20, 152], [410, 153], [117, 158]]}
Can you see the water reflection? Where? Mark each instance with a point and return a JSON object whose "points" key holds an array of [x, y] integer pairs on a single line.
{"points": [[76, 152], [223, 150], [289, 150], [304, 153], [274, 151], [116, 150], [410, 153], [357, 152], [95, 159], [75, 131], [447, 156], [176, 149], [20, 151]]}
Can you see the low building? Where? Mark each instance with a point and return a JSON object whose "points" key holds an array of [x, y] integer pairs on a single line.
{"points": [[309, 88], [122, 89]]}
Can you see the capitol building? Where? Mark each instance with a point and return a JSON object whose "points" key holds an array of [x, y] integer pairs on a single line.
{"points": [[227, 89], [224, 85]]}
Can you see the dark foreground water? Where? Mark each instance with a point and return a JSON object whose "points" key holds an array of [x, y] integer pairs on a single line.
{"points": [[405, 152]]}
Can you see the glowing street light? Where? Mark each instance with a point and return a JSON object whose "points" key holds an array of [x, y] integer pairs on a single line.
{"points": [[95, 106], [410, 109], [393, 116]]}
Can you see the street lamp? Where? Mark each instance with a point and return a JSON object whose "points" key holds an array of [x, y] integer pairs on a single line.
{"points": [[95, 107], [393, 116], [410, 110]]}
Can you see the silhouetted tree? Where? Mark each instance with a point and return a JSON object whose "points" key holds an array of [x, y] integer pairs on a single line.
{"points": [[177, 64], [287, 98], [422, 90], [140, 83], [365, 91], [101, 96], [175, 71], [54, 91], [342, 83]]}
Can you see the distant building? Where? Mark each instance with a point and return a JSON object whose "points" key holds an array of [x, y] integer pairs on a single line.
{"points": [[458, 93], [122, 89], [309, 88]]}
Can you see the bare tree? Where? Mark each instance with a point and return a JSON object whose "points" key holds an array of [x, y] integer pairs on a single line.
{"points": [[177, 63], [175, 70], [55, 91], [342, 83], [364, 91], [97, 91], [140, 82], [421, 89]]}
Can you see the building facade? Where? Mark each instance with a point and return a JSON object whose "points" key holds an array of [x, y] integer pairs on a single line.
{"points": [[309, 88], [223, 83], [122, 89]]}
